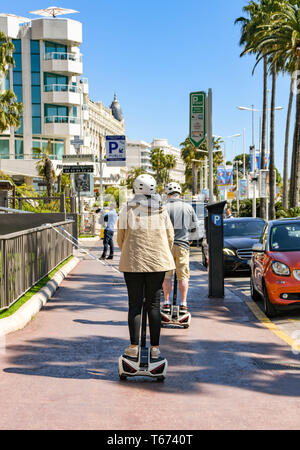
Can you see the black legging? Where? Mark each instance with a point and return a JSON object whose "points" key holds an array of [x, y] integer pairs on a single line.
{"points": [[148, 285]]}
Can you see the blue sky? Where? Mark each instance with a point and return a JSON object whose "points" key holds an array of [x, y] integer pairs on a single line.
{"points": [[153, 54]]}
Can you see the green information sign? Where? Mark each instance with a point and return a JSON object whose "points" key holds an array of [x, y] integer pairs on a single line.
{"points": [[197, 132]]}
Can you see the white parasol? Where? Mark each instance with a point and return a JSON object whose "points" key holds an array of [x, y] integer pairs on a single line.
{"points": [[53, 11]]}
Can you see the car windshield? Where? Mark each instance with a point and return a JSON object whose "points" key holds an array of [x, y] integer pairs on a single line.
{"points": [[242, 228], [285, 237], [200, 210]]}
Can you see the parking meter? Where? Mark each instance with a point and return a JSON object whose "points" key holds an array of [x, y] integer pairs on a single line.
{"points": [[215, 240]]}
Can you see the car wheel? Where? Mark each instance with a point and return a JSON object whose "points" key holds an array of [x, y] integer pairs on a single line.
{"points": [[269, 308], [254, 294]]}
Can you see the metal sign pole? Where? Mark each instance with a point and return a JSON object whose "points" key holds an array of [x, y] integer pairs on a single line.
{"points": [[101, 173], [210, 146]]}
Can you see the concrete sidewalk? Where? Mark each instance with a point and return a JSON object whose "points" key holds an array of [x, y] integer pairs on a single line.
{"points": [[60, 371]]}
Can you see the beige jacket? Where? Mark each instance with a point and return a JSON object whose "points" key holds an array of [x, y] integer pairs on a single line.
{"points": [[145, 237]]}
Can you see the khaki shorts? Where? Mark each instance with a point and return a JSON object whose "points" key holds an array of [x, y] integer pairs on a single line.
{"points": [[181, 257]]}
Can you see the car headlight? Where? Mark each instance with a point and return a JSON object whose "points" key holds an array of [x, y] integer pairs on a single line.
{"points": [[281, 269], [228, 251]]}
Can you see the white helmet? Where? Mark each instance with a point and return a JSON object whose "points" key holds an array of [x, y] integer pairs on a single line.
{"points": [[171, 188], [144, 184]]}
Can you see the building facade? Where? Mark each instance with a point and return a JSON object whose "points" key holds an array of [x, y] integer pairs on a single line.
{"points": [[46, 79], [99, 122], [138, 154]]}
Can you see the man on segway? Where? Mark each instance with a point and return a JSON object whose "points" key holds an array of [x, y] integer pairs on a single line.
{"points": [[185, 222]]}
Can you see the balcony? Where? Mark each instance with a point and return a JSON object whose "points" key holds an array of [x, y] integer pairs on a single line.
{"points": [[62, 94], [24, 164], [63, 63], [84, 83], [85, 113], [66, 31], [61, 126]]}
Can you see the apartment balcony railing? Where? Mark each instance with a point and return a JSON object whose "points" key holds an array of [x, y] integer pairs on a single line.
{"points": [[63, 56], [62, 126], [28, 156], [62, 119], [61, 88]]}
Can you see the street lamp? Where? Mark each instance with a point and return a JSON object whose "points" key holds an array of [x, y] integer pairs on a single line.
{"points": [[225, 138], [237, 163]]}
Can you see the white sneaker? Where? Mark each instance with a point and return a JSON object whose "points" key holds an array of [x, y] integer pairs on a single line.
{"points": [[132, 351], [155, 352]]}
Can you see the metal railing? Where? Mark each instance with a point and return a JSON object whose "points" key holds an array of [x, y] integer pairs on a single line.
{"points": [[62, 56], [62, 119], [62, 88], [28, 256], [29, 156]]}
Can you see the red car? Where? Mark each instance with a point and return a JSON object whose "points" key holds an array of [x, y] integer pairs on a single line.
{"points": [[275, 267]]}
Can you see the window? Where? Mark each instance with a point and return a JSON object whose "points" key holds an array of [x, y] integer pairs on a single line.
{"points": [[4, 149], [52, 78], [19, 151], [59, 149], [35, 47], [51, 47], [36, 87]]}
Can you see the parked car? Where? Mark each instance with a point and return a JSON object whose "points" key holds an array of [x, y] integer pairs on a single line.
{"points": [[201, 212], [240, 234], [275, 267]]}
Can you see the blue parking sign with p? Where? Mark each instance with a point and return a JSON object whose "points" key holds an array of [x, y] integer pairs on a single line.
{"points": [[217, 220], [115, 151]]}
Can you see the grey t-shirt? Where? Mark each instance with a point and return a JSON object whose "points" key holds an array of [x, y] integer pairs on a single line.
{"points": [[184, 220]]}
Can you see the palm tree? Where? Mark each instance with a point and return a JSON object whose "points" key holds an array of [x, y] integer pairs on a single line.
{"points": [[158, 163], [170, 163], [133, 173], [282, 39], [45, 168], [260, 16], [6, 50], [10, 109], [285, 193], [192, 157]]}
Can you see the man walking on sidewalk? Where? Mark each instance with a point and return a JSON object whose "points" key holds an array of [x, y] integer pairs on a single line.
{"points": [[185, 221], [108, 241]]}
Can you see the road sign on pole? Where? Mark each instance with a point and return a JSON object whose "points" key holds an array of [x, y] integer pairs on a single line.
{"points": [[197, 132], [77, 142], [116, 151], [78, 169]]}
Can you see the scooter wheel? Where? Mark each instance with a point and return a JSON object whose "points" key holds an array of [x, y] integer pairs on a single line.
{"points": [[161, 379], [123, 377]]}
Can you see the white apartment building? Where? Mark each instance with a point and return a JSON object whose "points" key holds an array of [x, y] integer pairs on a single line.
{"points": [[46, 79], [138, 154], [101, 121], [178, 173]]}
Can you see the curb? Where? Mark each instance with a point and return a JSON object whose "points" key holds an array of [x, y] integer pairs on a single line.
{"points": [[26, 312]]}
